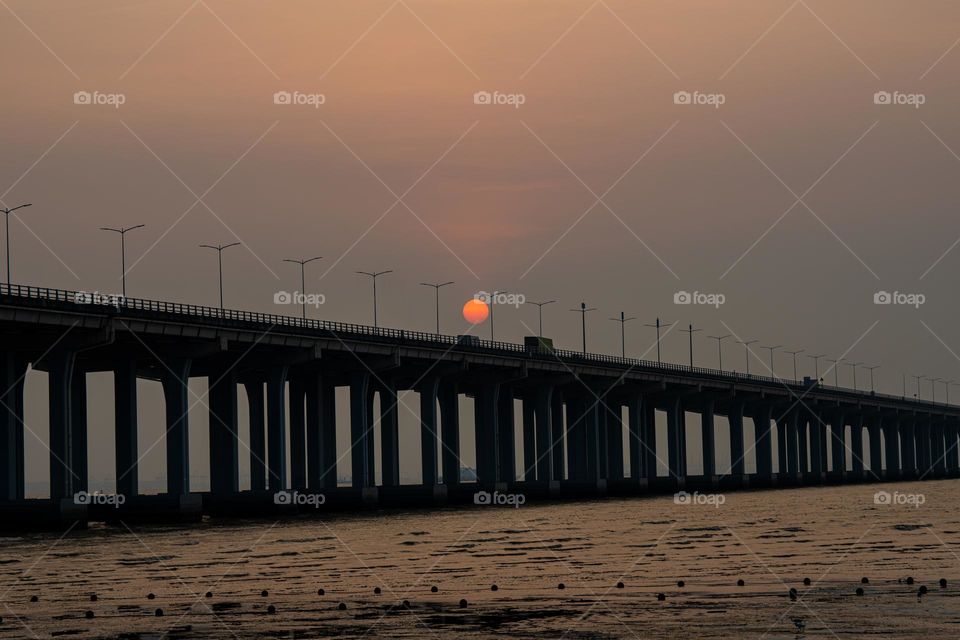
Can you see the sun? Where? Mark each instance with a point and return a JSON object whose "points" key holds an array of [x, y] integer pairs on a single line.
{"points": [[475, 311]]}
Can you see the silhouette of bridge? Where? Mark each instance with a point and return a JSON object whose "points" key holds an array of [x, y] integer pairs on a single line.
{"points": [[583, 415]]}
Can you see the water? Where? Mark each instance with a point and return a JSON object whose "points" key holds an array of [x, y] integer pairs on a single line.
{"points": [[769, 539]]}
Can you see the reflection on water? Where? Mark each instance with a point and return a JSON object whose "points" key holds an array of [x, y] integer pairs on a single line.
{"points": [[771, 540]]}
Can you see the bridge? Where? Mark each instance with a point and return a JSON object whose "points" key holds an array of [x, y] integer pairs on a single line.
{"points": [[584, 416]]}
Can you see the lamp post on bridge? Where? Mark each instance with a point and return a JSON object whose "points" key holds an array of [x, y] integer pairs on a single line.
{"points": [[123, 252], [870, 369], [933, 389], [836, 371], [303, 280], [690, 331], [719, 340], [623, 340], [373, 276], [7, 212], [540, 306], [772, 349], [816, 365], [919, 394], [493, 303], [437, 286], [947, 384], [746, 351], [794, 354], [853, 366], [657, 325], [583, 321], [219, 249]]}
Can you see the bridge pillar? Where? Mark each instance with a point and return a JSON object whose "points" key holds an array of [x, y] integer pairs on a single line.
{"points": [[676, 437], [361, 434], [782, 464], [613, 435], [327, 416], [543, 422], [12, 373], [277, 427], [224, 451], [940, 440], [506, 439], [735, 418], [557, 435], [258, 443], [708, 440], [635, 441], [390, 435], [874, 425], [801, 421], [592, 417], [908, 455], [921, 445], [174, 379], [576, 438], [321, 462], [297, 392], [648, 438], [428, 430], [529, 436], [761, 424], [450, 432], [485, 431], [125, 427], [856, 444], [891, 444], [818, 445], [64, 480], [791, 443], [953, 456], [838, 443], [78, 426]]}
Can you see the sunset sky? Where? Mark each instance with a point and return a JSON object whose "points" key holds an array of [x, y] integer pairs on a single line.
{"points": [[798, 198]]}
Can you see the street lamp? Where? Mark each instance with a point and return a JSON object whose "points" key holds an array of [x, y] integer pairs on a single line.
{"points": [[219, 249], [919, 394], [816, 365], [746, 351], [123, 252], [720, 339], [948, 384], [870, 369], [373, 276], [794, 354], [493, 302], [690, 331], [436, 287], [303, 281], [772, 349], [854, 366], [836, 371], [7, 212], [623, 342], [583, 321], [658, 325], [933, 389], [540, 306]]}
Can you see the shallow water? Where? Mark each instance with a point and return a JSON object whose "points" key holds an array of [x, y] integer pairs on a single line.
{"points": [[769, 539]]}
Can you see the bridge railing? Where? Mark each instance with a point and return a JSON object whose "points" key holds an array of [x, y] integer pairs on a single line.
{"points": [[118, 303]]}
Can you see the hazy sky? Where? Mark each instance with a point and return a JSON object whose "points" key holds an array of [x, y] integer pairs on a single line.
{"points": [[797, 198]]}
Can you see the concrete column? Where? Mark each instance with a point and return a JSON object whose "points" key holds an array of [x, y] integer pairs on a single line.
{"points": [[428, 431], [876, 455], [224, 450], [891, 441], [708, 440], [576, 438], [390, 435], [634, 409], [801, 440], [557, 432], [648, 437], [736, 439], [298, 432], [921, 444], [591, 431], [792, 443], [63, 479], [838, 442], [953, 455], [175, 379], [529, 436], [764, 449], [258, 443], [939, 439], [543, 421], [676, 430], [856, 443], [908, 460], [277, 427], [485, 413], [506, 439], [78, 425], [361, 435], [328, 435], [614, 438], [450, 432], [12, 372], [125, 427], [781, 423]]}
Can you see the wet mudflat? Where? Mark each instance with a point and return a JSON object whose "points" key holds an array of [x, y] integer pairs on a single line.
{"points": [[620, 563]]}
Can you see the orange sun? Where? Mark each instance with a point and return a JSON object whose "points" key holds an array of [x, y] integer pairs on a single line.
{"points": [[475, 311]]}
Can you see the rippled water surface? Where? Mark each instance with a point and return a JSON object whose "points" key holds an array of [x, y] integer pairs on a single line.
{"points": [[771, 540]]}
